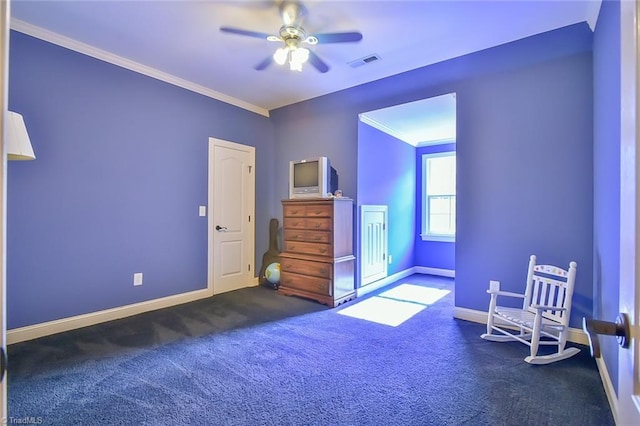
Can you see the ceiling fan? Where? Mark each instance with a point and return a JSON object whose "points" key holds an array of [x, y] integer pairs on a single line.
{"points": [[293, 38]]}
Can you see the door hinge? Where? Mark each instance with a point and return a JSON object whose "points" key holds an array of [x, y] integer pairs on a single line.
{"points": [[384, 226], [250, 169], [249, 218], [384, 256], [249, 267]]}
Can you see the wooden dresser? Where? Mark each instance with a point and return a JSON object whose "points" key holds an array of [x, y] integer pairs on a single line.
{"points": [[317, 261]]}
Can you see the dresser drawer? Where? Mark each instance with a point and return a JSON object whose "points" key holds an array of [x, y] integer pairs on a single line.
{"points": [[317, 237], [319, 210], [318, 224], [309, 210], [294, 223], [306, 283], [294, 211], [306, 267], [294, 234], [308, 248], [307, 236]]}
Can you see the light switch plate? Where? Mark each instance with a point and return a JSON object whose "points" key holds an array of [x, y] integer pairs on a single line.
{"points": [[137, 278], [202, 211], [494, 286]]}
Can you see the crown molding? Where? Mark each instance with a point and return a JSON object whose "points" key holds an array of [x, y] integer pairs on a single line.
{"points": [[103, 55], [436, 142], [375, 124]]}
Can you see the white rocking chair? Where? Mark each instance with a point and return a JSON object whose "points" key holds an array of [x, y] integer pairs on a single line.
{"points": [[544, 316]]}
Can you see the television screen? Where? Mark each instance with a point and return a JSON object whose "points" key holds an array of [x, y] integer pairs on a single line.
{"points": [[305, 174]]}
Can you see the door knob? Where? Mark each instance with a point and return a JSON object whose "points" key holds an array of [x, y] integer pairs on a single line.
{"points": [[221, 228], [620, 329]]}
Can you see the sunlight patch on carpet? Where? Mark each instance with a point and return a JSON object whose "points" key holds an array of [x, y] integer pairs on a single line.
{"points": [[395, 306], [416, 294], [383, 311]]}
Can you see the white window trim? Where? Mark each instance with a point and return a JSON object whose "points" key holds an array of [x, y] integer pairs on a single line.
{"points": [[424, 235]]}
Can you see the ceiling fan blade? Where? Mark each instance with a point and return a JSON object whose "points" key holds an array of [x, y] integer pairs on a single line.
{"points": [[238, 31], [317, 62], [338, 37], [264, 64]]}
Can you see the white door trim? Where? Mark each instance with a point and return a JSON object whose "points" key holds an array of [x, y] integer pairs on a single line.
{"points": [[213, 142], [628, 407], [5, 14]]}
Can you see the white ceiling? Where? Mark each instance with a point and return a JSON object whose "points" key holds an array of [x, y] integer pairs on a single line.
{"points": [[425, 122], [180, 41]]}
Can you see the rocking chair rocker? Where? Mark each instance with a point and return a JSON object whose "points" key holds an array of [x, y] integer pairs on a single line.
{"points": [[544, 316]]}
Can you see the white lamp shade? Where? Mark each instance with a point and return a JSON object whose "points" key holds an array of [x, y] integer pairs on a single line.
{"points": [[18, 143], [300, 55], [281, 55]]}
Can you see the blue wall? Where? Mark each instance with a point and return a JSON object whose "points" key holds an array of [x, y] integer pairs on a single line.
{"points": [[120, 172], [526, 101], [606, 151], [386, 176], [122, 167], [431, 254], [525, 170]]}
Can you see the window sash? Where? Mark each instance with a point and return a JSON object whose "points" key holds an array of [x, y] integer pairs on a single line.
{"points": [[441, 211], [439, 197]]}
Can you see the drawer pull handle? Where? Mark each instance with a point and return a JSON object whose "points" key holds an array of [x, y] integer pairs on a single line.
{"points": [[317, 225], [294, 211], [317, 238], [324, 270], [323, 250]]}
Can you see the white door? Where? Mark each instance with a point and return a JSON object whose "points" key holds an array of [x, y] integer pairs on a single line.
{"points": [[231, 219], [4, 73], [373, 243], [629, 359]]}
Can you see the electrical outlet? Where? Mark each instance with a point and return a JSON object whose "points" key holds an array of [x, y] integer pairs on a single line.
{"points": [[390, 259], [137, 278], [494, 286]]}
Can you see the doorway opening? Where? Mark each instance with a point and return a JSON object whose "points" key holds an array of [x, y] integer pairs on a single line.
{"points": [[406, 161]]}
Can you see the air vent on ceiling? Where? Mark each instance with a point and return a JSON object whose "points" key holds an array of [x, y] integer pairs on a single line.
{"points": [[363, 61]]}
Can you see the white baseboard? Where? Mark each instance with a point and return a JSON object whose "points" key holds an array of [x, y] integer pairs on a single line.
{"points": [[368, 288], [451, 273], [30, 332], [608, 388], [361, 291], [575, 335], [35, 331]]}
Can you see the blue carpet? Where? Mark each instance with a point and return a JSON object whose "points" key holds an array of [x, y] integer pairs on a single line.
{"points": [[312, 366]]}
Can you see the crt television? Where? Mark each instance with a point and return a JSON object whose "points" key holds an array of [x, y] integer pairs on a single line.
{"points": [[312, 178]]}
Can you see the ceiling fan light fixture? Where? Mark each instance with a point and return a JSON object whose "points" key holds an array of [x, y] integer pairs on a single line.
{"points": [[300, 55], [297, 57], [292, 34], [295, 66], [281, 55]]}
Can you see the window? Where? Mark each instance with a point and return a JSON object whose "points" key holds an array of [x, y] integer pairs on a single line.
{"points": [[439, 196]]}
